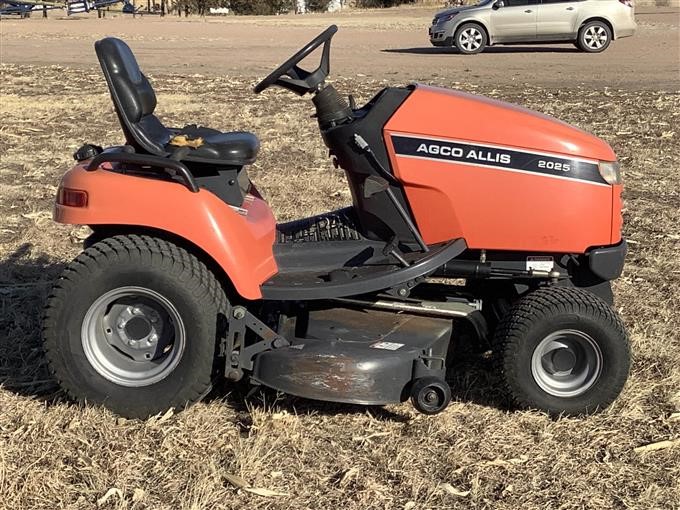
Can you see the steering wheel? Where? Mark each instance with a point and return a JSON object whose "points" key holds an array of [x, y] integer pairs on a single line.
{"points": [[292, 77]]}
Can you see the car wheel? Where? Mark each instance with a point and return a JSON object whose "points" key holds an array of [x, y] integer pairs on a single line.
{"points": [[563, 351], [594, 37], [134, 324], [470, 38]]}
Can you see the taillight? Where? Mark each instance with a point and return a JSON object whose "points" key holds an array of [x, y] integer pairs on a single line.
{"points": [[72, 197], [627, 3]]}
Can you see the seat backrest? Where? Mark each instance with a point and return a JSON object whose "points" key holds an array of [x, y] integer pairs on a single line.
{"points": [[133, 96]]}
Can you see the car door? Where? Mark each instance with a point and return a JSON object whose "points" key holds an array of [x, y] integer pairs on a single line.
{"points": [[557, 19], [514, 20]]}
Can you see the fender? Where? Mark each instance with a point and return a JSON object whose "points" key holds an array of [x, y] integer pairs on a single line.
{"points": [[240, 242]]}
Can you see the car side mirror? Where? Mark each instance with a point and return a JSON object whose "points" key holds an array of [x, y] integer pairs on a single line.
{"points": [[498, 4]]}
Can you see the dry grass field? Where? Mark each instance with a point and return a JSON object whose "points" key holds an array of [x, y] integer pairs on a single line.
{"points": [[266, 451]]}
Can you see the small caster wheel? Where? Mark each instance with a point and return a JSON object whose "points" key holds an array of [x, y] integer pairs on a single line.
{"points": [[430, 395]]}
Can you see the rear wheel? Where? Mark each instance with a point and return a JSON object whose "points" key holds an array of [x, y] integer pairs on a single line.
{"points": [[470, 38], [562, 350], [133, 323], [594, 37]]}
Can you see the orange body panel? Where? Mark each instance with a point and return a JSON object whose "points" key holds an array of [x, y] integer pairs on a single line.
{"points": [[495, 208], [240, 244], [617, 215]]}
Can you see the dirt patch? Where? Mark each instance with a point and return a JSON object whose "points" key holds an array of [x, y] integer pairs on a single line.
{"points": [[383, 43], [315, 455]]}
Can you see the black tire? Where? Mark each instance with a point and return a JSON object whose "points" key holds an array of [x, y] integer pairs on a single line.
{"points": [[470, 38], [156, 266], [558, 312], [430, 395], [594, 37]]}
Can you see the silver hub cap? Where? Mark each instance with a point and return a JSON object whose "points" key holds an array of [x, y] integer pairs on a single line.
{"points": [[133, 336], [470, 39], [595, 37], [566, 363]]}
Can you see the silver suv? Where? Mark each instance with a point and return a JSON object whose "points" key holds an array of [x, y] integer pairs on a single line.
{"points": [[590, 24]]}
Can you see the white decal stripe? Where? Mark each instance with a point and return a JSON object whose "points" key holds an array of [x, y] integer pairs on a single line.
{"points": [[503, 169], [492, 146]]}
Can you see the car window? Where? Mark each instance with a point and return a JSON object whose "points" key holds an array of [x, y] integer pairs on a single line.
{"points": [[556, 1], [519, 3]]}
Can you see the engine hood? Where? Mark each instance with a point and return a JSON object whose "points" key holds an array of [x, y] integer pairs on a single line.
{"points": [[500, 176], [456, 10], [445, 113]]}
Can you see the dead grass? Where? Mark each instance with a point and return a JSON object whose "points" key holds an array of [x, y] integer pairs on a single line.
{"points": [[475, 455]]}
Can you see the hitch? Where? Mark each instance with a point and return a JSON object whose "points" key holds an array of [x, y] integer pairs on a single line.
{"points": [[240, 357]]}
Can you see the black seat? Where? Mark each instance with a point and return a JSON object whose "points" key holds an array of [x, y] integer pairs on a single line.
{"points": [[135, 102]]}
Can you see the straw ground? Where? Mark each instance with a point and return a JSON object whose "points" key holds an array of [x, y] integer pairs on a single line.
{"points": [[269, 451]]}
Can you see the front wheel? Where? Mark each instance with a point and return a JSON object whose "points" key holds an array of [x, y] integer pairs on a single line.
{"points": [[470, 38], [562, 350], [594, 37], [133, 323]]}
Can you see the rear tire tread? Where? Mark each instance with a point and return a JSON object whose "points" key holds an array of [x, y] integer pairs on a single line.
{"points": [[145, 249]]}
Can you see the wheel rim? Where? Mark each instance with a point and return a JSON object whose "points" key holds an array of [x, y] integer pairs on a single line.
{"points": [[133, 336], [595, 37], [470, 39], [432, 398], [566, 363]]}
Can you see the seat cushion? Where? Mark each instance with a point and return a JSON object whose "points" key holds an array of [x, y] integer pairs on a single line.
{"points": [[133, 95], [135, 102], [234, 148]]}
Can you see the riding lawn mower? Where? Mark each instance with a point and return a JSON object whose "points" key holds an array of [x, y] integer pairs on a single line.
{"points": [[465, 210]]}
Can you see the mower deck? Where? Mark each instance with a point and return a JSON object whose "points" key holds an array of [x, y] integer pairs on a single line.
{"points": [[356, 356]]}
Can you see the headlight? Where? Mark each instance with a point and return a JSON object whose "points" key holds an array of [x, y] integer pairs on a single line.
{"points": [[610, 171], [442, 19]]}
